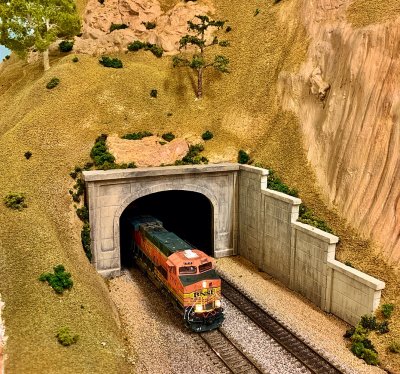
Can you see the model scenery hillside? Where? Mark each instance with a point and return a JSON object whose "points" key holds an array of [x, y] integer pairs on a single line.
{"points": [[310, 93]]}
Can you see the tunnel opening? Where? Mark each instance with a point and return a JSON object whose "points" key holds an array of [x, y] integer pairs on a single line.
{"points": [[187, 214]]}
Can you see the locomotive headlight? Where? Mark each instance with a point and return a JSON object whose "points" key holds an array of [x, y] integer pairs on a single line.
{"points": [[204, 284], [218, 303], [198, 308]]}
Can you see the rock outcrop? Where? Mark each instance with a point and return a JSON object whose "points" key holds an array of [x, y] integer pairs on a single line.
{"points": [[169, 27], [353, 137]]}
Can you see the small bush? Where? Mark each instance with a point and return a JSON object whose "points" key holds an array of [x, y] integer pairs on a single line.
{"points": [[153, 93], [108, 62], [99, 152], [394, 347], [75, 59], [349, 264], [66, 46], [65, 337], [228, 29], [193, 156], [149, 25], [28, 155], [101, 1], [137, 135], [156, 50], [169, 136], [368, 322], [257, 12], [83, 214], [6, 57], [243, 157], [207, 135], [79, 187], [15, 200], [307, 216], [387, 310], [59, 281], [118, 26], [224, 43], [54, 82], [276, 184], [383, 327], [138, 45], [85, 239]]}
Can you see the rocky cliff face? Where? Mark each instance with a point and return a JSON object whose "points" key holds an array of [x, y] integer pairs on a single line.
{"points": [[348, 100]]}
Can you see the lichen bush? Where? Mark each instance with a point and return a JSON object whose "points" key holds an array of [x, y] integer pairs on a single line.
{"points": [[85, 239], [154, 93], [169, 136], [137, 135], [65, 337], [59, 281], [66, 45], [15, 200], [387, 310], [153, 48], [307, 216], [28, 155], [149, 25], [118, 26], [394, 347], [207, 135], [54, 82], [100, 154], [276, 184], [243, 157], [75, 59], [193, 156], [109, 62]]}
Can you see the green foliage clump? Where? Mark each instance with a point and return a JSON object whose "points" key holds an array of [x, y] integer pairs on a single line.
{"points": [[66, 45], [394, 347], [207, 135], [83, 213], [59, 281], [75, 59], [101, 1], [100, 153], [137, 135], [149, 25], [383, 327], [193, 156], [276, 184], [348, 263], [85, 239], [169, 136], [228, 29], [118, 26], [153, 48], [54, 82], [15, 200], [224, 43], [108, 62], [65, 337], [387, 310], [243, 157], [28, 155], [154, 93], [307, 216], [257, 12], [368, 322]]}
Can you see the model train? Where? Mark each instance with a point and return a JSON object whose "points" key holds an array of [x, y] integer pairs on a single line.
{"points": [[185, 273]]}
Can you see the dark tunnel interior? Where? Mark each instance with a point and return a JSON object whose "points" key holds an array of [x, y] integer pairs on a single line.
{"points": [[188, 214]]}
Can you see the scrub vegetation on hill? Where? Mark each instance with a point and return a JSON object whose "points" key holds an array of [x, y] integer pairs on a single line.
{"points": [[59, 127]]}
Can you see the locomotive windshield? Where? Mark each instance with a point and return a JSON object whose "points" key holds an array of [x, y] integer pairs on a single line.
{"points": [[188, 270], [204, 267]]}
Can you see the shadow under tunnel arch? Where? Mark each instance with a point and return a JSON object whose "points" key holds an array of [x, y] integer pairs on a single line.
{"points": [[188, 214]]}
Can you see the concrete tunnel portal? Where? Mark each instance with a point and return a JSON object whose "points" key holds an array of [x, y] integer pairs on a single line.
{"points": [[187, 214]]}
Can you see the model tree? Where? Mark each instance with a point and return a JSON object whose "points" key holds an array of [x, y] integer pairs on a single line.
{"points": [[199, 60], [27, 25]]}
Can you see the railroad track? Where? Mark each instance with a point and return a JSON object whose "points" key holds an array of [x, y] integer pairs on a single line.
{"points": [[305, 354], [233, 358]]}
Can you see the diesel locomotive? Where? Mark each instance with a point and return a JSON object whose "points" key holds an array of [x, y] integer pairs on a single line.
{"points": [[185, 273]]}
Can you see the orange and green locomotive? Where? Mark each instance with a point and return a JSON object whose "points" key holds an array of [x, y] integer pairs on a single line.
{"points": [[187, 274]]}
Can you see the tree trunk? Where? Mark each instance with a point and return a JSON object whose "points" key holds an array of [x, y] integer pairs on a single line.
{"points": [[46, 63], [200, 83]]}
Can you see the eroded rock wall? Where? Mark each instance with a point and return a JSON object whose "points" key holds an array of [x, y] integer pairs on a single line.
{"points": [[348, 100]]}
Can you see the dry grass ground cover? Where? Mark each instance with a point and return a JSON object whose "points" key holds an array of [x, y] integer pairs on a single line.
{"points": [[366, 12], [59, 127]]}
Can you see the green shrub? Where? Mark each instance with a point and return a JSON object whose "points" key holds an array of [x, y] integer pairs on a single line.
{"points": [[83, 213], [370, 357], [149, 25], [387, 310], [383, 327], [66, 45], [15, 200], [307, 216], [349, 264], [65, 337], [75, 59], [76, 197], [228, 29], [99, 152], [153, 93], [193, 156], [59, 281], [169, 136], [6, 57], [138, 45], [207, 135], [118, 26], [28, 155], [243, 157], [101, 1], [224, 43], [257, 12], [137, 135], [394, 347], [368, 322], [85, 239], [108, 62], [54, 82], [275, 183], [156, 50]]}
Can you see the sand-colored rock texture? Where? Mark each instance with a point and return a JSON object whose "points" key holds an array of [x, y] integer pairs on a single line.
{"points": [[2, 339], [347, 98], [170, 26]]}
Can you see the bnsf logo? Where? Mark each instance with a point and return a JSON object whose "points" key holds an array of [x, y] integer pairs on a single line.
{"points": [[203, 293]]}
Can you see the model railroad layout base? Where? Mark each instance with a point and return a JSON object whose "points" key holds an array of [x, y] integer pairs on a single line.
{"points": [[305, 354]]}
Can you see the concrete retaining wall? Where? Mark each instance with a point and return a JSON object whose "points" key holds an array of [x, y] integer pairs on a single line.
{"points": [[300, 256]]}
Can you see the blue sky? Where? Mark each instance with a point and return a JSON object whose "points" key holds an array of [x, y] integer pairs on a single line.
{"points": [[3, 52]]}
